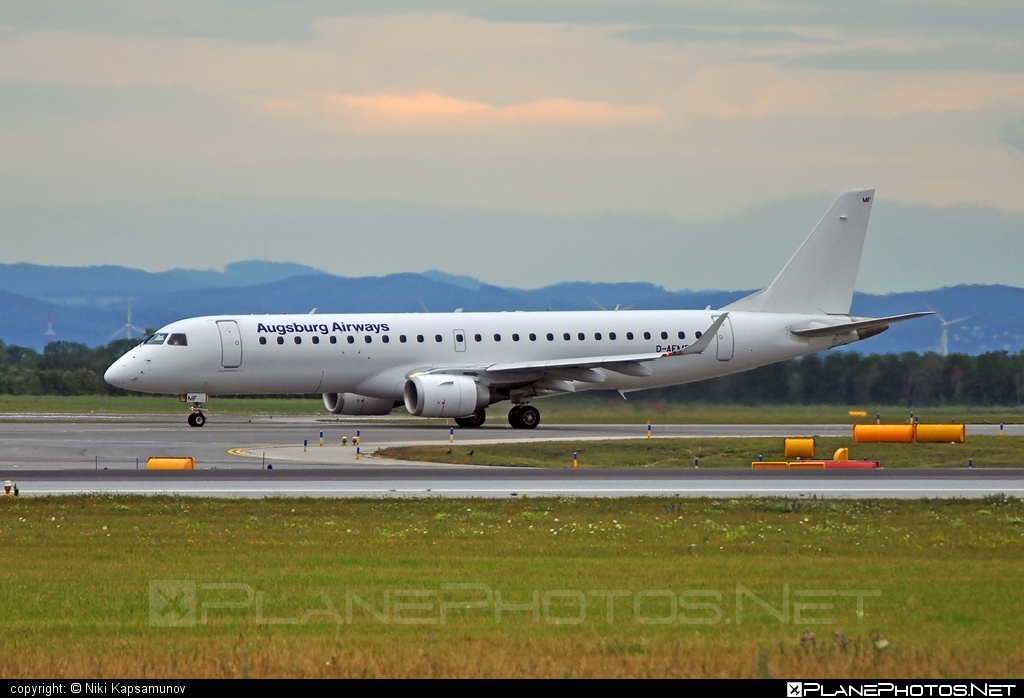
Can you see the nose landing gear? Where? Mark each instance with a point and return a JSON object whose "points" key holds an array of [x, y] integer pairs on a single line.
{"points": [[197, 418]]}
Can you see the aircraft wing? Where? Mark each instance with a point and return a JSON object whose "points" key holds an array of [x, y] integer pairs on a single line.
{"points": [[860, 326]]}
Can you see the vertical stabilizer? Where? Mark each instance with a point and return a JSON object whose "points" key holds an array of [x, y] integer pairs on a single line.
{"points": [[820, 277]]}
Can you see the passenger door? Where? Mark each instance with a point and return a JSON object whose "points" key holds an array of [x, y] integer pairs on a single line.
{"points": [[230, 344], [460, 340], [726, 345]]}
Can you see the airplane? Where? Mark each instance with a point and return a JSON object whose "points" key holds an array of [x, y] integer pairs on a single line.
{"points": [[457, 364]]}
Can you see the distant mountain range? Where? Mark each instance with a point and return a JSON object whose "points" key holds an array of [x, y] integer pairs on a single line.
{"points": [[89, 304]]}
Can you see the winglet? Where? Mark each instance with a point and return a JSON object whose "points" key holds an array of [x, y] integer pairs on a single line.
{"points": [[704, 342]]}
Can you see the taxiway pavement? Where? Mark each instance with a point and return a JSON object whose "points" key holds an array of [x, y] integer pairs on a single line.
{"points": [[61, 454]]}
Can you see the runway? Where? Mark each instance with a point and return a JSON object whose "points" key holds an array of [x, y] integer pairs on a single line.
{"points": [[59, 454], [478, 481]]}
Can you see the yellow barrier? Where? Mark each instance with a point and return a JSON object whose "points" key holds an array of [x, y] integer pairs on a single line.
{"points": [[841, 454], [807, 465], [858, 413], [798, 448], [188, 463], [883, 433], [766, 465], [941, 433]]}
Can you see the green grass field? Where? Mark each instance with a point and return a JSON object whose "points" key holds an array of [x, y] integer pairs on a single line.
{"points": [[570, 409], [984, 451], [150, 587]]}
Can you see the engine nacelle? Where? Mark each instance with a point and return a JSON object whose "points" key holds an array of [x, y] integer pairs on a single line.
{"points": [[352, 404], [445, 396]]}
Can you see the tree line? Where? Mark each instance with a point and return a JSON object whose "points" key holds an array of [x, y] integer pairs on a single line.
{"points": [[837, 378]]}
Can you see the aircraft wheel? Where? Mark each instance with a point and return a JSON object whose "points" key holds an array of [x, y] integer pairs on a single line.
{"points": [[474, 420], [513, 416], [529, 417], [196, 419]]}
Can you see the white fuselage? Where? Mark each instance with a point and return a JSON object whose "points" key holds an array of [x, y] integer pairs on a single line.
{"points": [[374, 354]]}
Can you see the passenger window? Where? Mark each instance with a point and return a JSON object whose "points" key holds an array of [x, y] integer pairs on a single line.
{"points": [[515, 337], [157, 338], [533, 337], [581, 336], [177, 340], [611, 335], [316, 340], [298, 339], [664, 335], [647, 335], [263, 340], [280, 340], [629, 335], [460, 338], [497, 338], [597, 335], [438, 338], [401, 338], [566, 336], [551, 337], [697, 334], [334, 340], [367, 339], [478, 338], [351, 339], [385, 339], [419, 338], [681, 334]]}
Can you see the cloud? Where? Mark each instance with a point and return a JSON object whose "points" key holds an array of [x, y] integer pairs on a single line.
{"points": [[1012, 134], [432, 111], [978, 55], [689, 34]]}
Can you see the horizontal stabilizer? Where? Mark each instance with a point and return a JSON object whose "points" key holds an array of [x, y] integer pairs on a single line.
{"points": [[860, 326]]}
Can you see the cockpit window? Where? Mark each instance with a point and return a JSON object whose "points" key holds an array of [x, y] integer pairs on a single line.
{"points": [[178, 340], [157, 338]]}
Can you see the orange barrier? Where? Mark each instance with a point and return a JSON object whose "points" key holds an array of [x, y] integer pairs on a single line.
{"points": [[171, 463], [941, 433], [798, 448], [816, 465], [852, 464], [883, 433]]}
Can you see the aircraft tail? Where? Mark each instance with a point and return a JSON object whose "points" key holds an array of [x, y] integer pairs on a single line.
{"points": [[820, 277]]}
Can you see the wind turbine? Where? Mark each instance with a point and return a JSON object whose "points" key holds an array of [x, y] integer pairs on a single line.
{"points": [[944, 337], [618, 306], [127, 329]]}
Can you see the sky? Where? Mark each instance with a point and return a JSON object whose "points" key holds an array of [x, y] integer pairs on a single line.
{"points": [[115, 112]]}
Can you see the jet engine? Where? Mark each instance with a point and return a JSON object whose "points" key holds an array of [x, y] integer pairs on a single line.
{"points": [[442, 395], [352, 404]]}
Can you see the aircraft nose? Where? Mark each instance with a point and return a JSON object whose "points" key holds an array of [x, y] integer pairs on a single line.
{"points": [[119, 374]]}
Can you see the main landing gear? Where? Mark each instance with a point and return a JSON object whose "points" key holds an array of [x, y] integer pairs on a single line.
{"points": [[524, 417], [472, 421]]}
